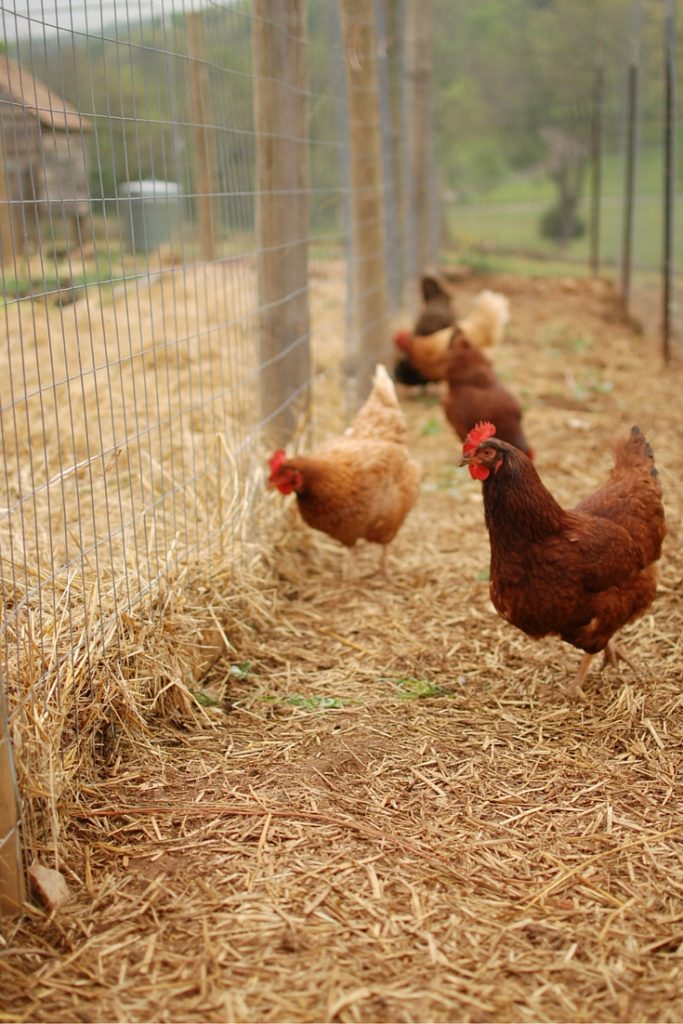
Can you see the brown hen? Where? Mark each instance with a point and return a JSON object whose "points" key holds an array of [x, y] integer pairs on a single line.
{"points": [[476, 393], [581, 573]]}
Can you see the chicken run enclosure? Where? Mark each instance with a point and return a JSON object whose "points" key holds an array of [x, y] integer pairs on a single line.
{"points": [[240, 778]]}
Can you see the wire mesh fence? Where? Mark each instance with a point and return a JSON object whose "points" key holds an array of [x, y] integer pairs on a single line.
{"points": [[172, 177], [170, 174]]}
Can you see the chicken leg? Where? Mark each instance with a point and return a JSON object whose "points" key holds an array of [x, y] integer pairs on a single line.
{"points": [[575, 688], [612, 654]]}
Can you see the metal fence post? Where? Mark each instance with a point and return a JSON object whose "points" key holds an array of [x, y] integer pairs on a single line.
{"points": [[669, 176], [633, 88], [596, 163]]}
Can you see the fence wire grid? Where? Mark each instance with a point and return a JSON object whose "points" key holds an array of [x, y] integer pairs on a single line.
{"points": [[172, 174], [134, 246]]}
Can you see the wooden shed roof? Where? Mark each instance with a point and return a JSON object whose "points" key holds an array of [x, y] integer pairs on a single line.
{"points": [[51, 109]]}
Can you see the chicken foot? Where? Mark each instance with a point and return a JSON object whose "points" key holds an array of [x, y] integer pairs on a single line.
{"points": [[349, 564], [350, 570], [612, 654]]}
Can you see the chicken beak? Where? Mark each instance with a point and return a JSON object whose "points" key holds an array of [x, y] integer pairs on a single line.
{"points": [[466, 460]]}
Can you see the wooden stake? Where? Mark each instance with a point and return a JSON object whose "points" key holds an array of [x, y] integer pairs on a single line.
{"points": [[282, 228], [11, 867], [204, 148], [370, 319], [421, 187], [6, 233]]}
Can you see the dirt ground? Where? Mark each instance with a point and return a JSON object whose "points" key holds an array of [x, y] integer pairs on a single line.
{"points": [[392, 812]]}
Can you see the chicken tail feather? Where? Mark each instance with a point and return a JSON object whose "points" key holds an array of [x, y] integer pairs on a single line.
{"points": [[643, 446], [383, 386], [485, 324], [381, 415], [635, 453]]}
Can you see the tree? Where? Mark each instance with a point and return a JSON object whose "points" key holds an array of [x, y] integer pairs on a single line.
{"points": [[507, 72], [565, 164]]}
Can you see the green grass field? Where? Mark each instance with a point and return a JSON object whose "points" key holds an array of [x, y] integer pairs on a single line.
{"points": [[506, 219]]}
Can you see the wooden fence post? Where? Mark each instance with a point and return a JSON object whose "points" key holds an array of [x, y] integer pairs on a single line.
{"points": [[11, 867], [282, 213], [370, 324], [422, 198], [6, 248], [394, 23], [387, 36], [204, 148]]}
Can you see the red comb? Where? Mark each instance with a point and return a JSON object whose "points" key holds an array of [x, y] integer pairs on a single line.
{"points": [[480, 432], [276, 460]]}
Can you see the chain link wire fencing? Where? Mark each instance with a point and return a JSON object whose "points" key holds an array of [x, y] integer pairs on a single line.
{"points": [[172, 174]]}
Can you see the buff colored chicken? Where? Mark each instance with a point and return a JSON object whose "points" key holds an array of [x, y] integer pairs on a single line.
{"points": [[362, 484]]}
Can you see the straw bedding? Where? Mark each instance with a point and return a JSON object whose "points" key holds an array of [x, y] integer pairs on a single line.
{"points": [[384, 808]]}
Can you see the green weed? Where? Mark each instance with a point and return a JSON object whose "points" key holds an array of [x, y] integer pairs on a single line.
{"points": [[314, 702], [410, 688], [431, 427]]}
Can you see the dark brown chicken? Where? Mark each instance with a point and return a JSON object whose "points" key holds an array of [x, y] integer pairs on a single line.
{"points": [[476, 393], [426, 351], [581, 573], [438, 310], [436, 314]]}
